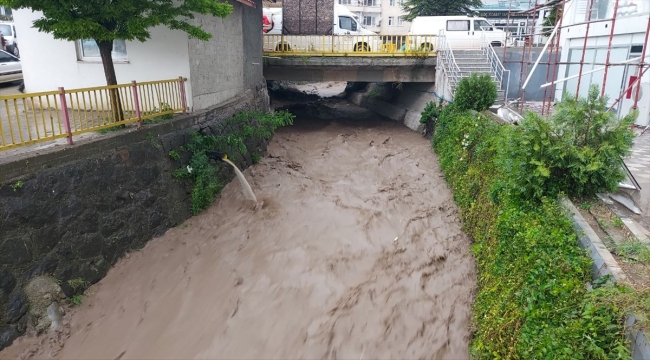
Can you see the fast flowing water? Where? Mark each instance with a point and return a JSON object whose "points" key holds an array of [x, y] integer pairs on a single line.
{"points": [[357, 253]]}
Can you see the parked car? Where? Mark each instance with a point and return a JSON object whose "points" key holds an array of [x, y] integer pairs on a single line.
{"points": [[8, 31], [10, 68]]}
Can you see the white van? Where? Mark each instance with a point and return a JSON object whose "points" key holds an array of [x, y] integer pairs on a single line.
{"points": [[345, 23], [8, 31], [462, 32]]}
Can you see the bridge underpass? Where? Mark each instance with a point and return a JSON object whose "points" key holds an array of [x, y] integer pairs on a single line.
{"points": [[374, 58]]}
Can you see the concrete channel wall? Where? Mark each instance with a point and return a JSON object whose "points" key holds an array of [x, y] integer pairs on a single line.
{"points": [[74, 212]]}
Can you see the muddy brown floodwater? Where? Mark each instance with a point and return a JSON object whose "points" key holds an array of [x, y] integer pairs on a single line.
{"points": [[357, 253]]}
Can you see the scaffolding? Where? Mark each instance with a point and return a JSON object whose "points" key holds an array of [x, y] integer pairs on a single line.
{"points": [[553, 59]]}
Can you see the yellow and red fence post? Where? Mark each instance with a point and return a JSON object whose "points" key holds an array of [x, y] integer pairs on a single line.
{"points": [[66, 115]]}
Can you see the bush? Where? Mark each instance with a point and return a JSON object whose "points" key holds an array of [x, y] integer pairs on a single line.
{"points": [[477, 92], [243, 127], [430, 115], [576, 151], [531, 300]]}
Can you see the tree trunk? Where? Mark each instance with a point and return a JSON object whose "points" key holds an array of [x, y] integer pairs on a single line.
{"points": [[106, 53]]}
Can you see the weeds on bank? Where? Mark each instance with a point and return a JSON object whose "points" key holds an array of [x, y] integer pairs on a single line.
{"points": [[17, 185], [244, 127], [532, 301]]}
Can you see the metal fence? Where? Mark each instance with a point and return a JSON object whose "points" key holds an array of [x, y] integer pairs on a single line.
{"points": [[350, 45], [45, 116]]}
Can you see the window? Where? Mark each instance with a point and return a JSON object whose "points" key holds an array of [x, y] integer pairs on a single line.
{"points": [[5, 30], [400, 21], [5, 58], [392, 2], [391, 21], [89, 51], [457, 25], [346, 23], [599, 9], [482, 25], [370, 2], [369, 20], [345, 2], [636, 49]]}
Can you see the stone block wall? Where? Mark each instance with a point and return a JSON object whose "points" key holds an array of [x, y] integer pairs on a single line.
{"points": [[74, 212], [308, 17]]}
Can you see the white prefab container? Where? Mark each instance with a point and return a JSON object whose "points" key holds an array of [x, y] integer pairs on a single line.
{"points": [[462, 32]]}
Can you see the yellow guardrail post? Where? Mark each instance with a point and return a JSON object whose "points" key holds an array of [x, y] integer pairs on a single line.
{"points": [[181, 84], [66, 115]]}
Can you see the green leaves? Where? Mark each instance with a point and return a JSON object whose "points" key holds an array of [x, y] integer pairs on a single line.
{"points": [[576, 151], [531, 300], [477, 92], [246, 127], [107, 20], [415, 8]]}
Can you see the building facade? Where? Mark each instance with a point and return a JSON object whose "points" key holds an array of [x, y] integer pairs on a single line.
{"points": [[217, 70], [384, 17], [627, 44]]}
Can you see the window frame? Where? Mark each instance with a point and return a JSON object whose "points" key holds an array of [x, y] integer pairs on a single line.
{"points": [[117, 58], [400, 21], [469, 26], [391, 21]]}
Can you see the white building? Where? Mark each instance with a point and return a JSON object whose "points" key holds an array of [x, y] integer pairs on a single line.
{"points": [[627, 43], [49, 63], [381, 16]]}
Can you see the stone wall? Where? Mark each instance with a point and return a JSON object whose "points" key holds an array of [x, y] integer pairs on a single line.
{"points": [[231, 61], [308, 17], [74, 212]]}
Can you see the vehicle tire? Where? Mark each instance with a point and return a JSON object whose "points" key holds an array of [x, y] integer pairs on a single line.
{"points": [[16, 51], [362, 47], [283, 47], [426, 47]]}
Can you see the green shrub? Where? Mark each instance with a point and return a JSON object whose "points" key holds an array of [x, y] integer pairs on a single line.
{"points": [[576, 151], [243, 127], [430, 115], [476, 92], [531, 301]]}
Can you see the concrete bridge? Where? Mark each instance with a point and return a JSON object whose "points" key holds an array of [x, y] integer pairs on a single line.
{"points": [[374, 58]]}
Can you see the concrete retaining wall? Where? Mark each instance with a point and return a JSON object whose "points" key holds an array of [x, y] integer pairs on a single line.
{"points": [[404, 102], [79, 209]]}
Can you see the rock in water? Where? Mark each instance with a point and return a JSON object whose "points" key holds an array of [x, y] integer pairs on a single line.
{"points": [[42, 292]]}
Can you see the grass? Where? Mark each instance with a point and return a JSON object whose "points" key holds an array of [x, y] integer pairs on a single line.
{"points": [[76, 300], [634, 249]]}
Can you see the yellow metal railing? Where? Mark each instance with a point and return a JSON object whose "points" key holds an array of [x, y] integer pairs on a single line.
{"points": [[350, 45], [45, 116]]}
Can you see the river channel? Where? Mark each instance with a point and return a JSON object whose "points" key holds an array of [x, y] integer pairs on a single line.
{"points": [[357, 253]]}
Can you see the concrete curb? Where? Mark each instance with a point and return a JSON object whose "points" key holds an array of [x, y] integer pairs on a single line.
{"points": [[632, 226], [605, 264]]}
